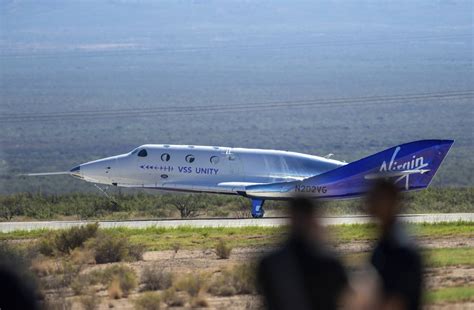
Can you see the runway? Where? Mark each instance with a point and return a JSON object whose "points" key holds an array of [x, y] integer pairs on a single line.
{"points": [[230, 222]]}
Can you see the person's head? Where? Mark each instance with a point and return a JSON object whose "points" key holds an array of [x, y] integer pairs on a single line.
{"points": [[384, 201], [304, 214]]}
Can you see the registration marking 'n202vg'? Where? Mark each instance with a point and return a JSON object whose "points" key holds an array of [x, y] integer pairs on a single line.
{"points": [[310, 189]]}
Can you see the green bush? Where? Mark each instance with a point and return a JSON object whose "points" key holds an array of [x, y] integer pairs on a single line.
{"points": [[223, 250], [148, 301], [67, 240], [46, 245], [109, 249]]}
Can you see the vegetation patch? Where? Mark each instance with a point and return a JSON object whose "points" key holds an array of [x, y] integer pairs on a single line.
{"points": [[450, 294], [158, 238], [136, 205], [148, 301], [223, 250], [109, 248], [172, 299], [120, 280], [90, 301], [155, 277], [193, 284], [240, 279], [449, 257], [441, 257]]}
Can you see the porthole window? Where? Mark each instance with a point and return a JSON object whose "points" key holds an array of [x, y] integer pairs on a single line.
{"points": [[214, 159], [164, 176], [190, 158], [165, 157], [142, 153]]}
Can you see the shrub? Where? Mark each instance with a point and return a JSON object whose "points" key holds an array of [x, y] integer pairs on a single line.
{"points": [[135, 252], [156, 278], [89, 301], [83, 256], [223, 250], [192, 284], [119, 279], [110, 249], [222, 289], [240, 279], [148, 301], [43, 266], [46, 245], [176, 247], [75, 237], [128, 282], [81, 284], [171, 298]]}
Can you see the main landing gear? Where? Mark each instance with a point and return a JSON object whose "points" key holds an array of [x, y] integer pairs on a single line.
{"points": [[257, 208]]}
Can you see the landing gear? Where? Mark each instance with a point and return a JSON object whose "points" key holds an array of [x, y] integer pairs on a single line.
{"points": [[257, 208]]}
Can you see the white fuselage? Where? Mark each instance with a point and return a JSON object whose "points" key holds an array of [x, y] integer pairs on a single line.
{"points": [[202, 168]]}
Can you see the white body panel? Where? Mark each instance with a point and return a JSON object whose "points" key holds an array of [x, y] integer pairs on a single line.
{"points": [[214, 169]]}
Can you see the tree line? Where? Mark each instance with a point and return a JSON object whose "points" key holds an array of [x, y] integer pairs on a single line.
{"points": [[38, 206]]}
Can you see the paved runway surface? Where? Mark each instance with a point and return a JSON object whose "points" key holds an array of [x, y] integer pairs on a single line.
{"points": [[226, 222]]}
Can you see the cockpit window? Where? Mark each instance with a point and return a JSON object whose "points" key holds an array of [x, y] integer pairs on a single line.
{"points": [[142, 153]]}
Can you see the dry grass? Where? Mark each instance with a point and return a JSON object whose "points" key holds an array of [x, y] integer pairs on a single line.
{"points": [[119, 279], [114, 290], [239, 279], [82, 256], [44, 266], [89, 301]]}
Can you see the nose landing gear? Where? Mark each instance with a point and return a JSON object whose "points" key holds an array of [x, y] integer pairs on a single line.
{"points": [[257, 208]]}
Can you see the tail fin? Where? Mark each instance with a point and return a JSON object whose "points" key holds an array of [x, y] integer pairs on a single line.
{"points": [[411, 166]]}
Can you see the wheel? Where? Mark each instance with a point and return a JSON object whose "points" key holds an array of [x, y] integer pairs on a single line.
{"points": [[257, 208]]}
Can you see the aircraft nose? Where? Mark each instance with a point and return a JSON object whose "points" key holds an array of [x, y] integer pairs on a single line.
{"points": [[76, 171], [98, 171]]}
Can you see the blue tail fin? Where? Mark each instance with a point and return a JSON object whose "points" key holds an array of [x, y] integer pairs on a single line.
{"points": [[411, 166]]}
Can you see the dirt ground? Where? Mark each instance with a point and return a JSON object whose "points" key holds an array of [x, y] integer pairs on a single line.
{"points": [[206, 261]]}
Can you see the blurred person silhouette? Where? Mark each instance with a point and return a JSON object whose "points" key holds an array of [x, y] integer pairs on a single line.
{"points": [[303, 273], [17, 284], [395, 256]]}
